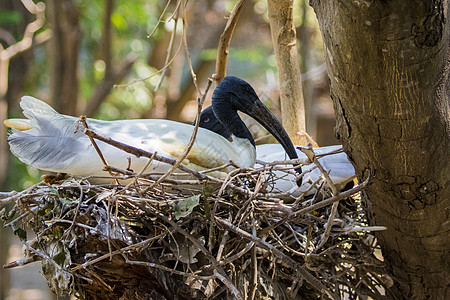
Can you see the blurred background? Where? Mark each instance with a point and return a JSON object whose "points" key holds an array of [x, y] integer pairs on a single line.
{"points": [[117, 59]]}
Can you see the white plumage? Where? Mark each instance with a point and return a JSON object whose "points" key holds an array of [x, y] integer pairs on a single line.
{"points": [[340, 168], [51, 141], [56, 142]]}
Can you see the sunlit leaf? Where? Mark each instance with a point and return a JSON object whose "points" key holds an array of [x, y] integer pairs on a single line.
{"points": [[183, 208]]}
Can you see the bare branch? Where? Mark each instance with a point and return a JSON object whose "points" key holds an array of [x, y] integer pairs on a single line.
{"points": [[225, 40]]}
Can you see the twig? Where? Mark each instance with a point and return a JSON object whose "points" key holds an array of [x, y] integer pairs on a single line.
{"points": [[316, 206], [170, 270], [221, 274], [22, 262], [192, 139], [94, 143], [120, 251], [139, 152], [4, 195], [188, 55], [225, 280], [285, 260], [80, 200], [159, 19], [99, 279], [331, 200], [13, 196], [225, 40], [170, 48], [254, 261], [312, 156]]}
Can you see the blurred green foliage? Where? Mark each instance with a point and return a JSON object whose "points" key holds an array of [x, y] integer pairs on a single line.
{"points": [[10, 17]]}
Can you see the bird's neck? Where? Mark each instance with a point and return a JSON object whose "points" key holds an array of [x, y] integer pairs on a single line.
{"points": [[246, 150], [235, 125]]}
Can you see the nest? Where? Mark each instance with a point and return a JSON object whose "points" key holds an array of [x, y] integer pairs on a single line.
{"points": [[232, 239]]}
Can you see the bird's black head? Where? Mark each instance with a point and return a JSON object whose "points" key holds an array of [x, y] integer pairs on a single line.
{"points": [[233, 94], [209, 121], [239, 94]]}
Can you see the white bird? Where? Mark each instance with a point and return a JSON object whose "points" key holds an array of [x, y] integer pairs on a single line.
{"points": [[340, 169], [51, 141]]}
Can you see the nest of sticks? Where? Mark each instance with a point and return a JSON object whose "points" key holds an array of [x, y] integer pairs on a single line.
{"points": [[159, 237]]}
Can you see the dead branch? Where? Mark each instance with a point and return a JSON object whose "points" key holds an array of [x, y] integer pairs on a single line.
{"points": [[225, 40]]}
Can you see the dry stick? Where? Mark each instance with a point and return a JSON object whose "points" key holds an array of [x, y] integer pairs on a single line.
{"points": [[154, 74], [321, 204], [80, 200], [285, 260], [168, 62], [222, 243], [331, 200], [139, 152], [119, 251], [224, 42], [191, 141], [105, 163], [99, 279], [170, 48], [254, 261], [188, 55], [233, 257], [22, 262], [218, 270], [141, 172], [159, 20], [4, 195], [308, 243], [164, 268], [312, 156], [12, 196], [25, 214]]}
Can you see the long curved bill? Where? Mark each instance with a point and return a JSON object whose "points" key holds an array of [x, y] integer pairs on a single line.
{"points": [[264, 116]]}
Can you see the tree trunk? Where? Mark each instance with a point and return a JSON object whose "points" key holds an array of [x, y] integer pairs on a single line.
{"points": [[288, 65], [63, 17], [388, 64]]}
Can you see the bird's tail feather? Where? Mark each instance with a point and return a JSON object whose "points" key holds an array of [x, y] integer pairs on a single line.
{"points": [[51, 141], [37, 107]]}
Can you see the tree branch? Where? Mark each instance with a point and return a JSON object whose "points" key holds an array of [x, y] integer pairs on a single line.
{"points": [[288, 65], [225, 40]]}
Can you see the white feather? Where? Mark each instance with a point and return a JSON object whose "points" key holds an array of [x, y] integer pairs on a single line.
{"points": [[341, 170], [57, 143]]}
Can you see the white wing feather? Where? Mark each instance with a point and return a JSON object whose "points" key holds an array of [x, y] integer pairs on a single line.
{"points": [[55, 144]]}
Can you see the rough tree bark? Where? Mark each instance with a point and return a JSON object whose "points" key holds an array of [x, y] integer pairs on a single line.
{"points": [[388, 64], [288, 65]]}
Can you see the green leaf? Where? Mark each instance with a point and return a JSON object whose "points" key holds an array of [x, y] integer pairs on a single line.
{"points": [[60, 258], [184, 207]]}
